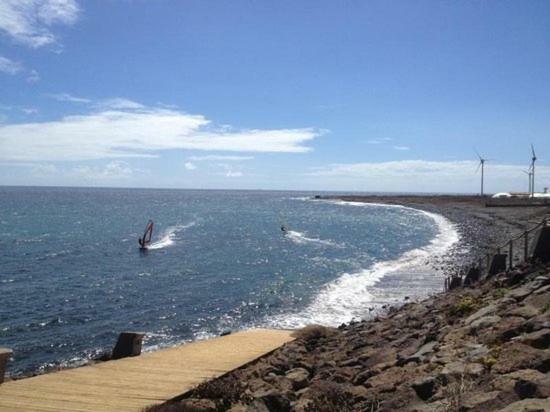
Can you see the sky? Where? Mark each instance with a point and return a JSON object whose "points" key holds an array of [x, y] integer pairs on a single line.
{"points": [[289, 95]]}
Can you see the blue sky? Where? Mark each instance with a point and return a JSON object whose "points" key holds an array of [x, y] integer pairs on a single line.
{"points": [[324, 95]]}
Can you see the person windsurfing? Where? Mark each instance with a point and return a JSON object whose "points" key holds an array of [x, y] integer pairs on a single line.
{"points": [[145, 241]]}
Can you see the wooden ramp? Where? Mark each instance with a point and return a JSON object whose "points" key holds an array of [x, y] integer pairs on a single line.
{"points": [[130, 384]]}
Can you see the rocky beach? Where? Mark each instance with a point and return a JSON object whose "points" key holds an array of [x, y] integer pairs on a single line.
{"points": [[480, 348]]}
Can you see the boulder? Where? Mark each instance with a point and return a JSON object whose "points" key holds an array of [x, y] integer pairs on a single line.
{"points": [[539, 339], [524, 382], [424, 388], [515, 356], [299, 377], [273, 400], [458, 369], [481, 401], [485, 311], [484, 322], [525, 311], [528, 405]]}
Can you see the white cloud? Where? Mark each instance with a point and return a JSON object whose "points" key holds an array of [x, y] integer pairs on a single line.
{"points": [[233, 173], [30, 22], [66, 97], [10, 67], [402, 148], [29, 110], [114, 170], [119, 103], [429, 176], [379, 141], [33, 76], [208, 158], [189, 166], [137, 133]]}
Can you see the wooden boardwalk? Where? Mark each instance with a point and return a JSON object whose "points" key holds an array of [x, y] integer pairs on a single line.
{"points": [[130, 384]]}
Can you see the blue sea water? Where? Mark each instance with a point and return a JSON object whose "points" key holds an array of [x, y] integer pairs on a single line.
{"points": [[72, 277]]}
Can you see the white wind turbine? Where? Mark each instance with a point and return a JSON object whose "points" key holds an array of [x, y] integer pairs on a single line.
{"points": [[533, 160], [482, 165]]}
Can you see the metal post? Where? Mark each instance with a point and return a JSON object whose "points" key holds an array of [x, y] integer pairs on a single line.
{"points": [[526, 246], [511, 252]]}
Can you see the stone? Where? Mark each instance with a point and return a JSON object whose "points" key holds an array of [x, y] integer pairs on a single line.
{"points": [[273, 400], [459, 369], [484, 322], [528, 405], [128, 344], [539, 339], [303, 405], [480, 401], [299, 377], [515, 356], [485, 311], [424, 388], [534, 378], [198, 405], [520, 293], [362, 377], [357, 392], [475, 351], [526, 312], [424, 350]]}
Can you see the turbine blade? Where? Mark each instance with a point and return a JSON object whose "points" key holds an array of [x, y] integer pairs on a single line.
{"points": [[478, 166], [533, 151]]}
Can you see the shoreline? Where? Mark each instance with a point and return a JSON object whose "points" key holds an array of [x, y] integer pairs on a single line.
{"points": [[475, 348]]}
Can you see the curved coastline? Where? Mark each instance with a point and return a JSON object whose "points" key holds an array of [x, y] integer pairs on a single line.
{"points": [[348, 297]]}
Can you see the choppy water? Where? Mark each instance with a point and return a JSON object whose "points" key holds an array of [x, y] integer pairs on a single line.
{"points": [[72, 278]]}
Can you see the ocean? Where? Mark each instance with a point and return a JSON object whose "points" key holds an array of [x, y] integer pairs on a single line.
{"points": [[72, 276]]}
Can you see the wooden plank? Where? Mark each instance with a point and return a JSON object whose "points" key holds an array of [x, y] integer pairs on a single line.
{"points": [[131, 384]]}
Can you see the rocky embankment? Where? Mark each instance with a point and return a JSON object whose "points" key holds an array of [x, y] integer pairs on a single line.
{"points": [[484, 348]]}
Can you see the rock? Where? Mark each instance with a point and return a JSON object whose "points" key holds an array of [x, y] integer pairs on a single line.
{"points": [[424, 388], [481, 401], [529, 379], [526, 312], [273, 400], [198, 405], [362, 377], [515, 356], [303, 405], [526, 389], [358, 393], [520, 293], [299, 377], [459, 369], [539, 339], [424, 350], [484, 322], [388, 380], [475, 351], [528, 405], [485, 311]]}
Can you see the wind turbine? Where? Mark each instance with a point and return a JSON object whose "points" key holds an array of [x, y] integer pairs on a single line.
{"points": [[533, 160], [482, 165], [530, 174]]}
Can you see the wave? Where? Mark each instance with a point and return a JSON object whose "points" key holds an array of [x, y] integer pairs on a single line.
{"points": [[169, 236], [300, 238], [350, 296]]}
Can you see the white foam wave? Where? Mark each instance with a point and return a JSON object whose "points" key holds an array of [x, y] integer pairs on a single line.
{"points": [[169, 236], [300, 238], [350, 296]]}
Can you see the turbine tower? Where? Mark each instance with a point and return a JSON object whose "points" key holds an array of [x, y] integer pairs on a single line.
{"points": [[530, 174], [482, 165], [533, 160]]}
